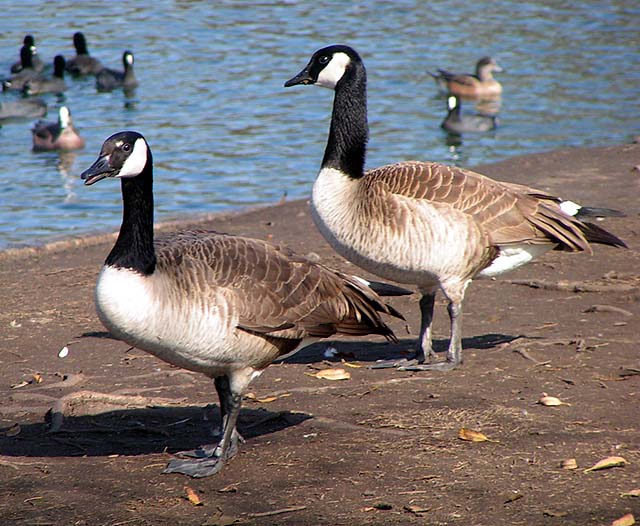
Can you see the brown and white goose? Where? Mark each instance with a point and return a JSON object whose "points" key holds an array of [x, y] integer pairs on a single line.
{"points": [[218, 304], [423, 223]]}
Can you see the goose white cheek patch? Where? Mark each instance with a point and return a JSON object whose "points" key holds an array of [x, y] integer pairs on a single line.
{"points": [[136, 161], [333, 72]]}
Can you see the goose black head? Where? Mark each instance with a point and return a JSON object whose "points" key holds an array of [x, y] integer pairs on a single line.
{"points": [[327, 67], [124, 154], [80, 43]]}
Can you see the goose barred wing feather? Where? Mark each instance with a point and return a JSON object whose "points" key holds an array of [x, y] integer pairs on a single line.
{"points": [[278, 293], [507, 213]]}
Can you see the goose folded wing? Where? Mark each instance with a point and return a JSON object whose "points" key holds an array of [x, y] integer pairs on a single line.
{"points": [[507, 213], [278, 293]]}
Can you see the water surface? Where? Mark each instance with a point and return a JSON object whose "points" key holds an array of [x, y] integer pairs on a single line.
{"points": [[225, 133]]}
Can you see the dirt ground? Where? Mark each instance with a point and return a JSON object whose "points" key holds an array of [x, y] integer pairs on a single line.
{"points": [[84, 438]]}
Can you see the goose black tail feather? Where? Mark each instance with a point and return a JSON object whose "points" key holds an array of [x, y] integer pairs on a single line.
{"points": [[386, 289], [595, 234]]}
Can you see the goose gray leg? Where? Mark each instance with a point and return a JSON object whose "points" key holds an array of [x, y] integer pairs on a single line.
{"points": [[209, 460], [425, 350], [454, 352]]}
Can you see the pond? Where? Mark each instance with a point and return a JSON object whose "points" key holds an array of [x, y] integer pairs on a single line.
{"points": [[225, 134]]}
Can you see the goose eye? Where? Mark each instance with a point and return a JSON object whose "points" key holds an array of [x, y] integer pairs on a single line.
{"points": [[324, 59], [126, 147]]}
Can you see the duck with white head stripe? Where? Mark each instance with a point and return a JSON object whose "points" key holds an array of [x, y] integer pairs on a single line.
{"points": [[59, 135], [225, 306], [424, 223]]}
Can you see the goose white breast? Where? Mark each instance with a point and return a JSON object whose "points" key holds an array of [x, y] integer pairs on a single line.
{"points": [[222, 305], [424, 223]]}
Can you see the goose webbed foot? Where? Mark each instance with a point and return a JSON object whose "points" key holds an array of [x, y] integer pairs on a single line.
{"points": [[209, 460], [433, 366], [416, 364], [396, 363], [209, 450], [203, 461], [423, 361], [196, 467]]}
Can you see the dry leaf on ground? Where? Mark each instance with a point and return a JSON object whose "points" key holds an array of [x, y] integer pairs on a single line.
{"points": [[350, 364], [569, 463], [550, 401], [331, 374], [606, 463], [192, 496], [471, 435], [265, 400], [632, 493], [625, 520]]}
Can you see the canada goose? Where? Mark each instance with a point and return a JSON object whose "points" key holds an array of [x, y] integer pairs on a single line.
{"points": [[482, 84], [22, 109], [110, 79], [60, 135], [36, 61], [53, 84], [457, 122], [218, 304], [424, 223], [83, 63], [28, 72]]}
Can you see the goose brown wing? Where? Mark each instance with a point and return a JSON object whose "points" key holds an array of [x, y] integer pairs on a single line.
{"points": [[506, 213], [275, 291]]}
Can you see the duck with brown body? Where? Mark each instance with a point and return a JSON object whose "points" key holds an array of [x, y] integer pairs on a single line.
{"points": [[58, 135], [482, 84]]}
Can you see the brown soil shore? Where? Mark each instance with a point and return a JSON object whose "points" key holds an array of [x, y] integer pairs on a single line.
{"points": [[380, 448]]}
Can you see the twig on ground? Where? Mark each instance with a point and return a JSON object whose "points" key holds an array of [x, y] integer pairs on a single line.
{"points": [[572, 286], [276, 512]]}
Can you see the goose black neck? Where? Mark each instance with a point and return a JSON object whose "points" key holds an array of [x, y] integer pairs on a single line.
{"points": [[81, 46], [349, 132], [26, 57], [134, 246]]}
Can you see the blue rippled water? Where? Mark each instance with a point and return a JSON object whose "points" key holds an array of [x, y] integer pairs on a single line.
{"points": [[226, 134]]}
